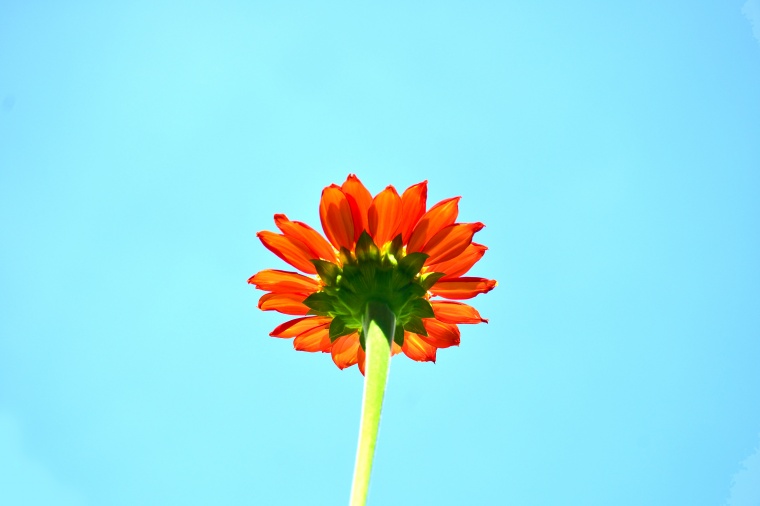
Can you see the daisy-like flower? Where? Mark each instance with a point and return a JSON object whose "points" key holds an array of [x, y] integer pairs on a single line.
{"points": [[388, 249]]}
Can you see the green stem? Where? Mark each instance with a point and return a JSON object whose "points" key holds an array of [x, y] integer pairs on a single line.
{"points": [[379, 326]]}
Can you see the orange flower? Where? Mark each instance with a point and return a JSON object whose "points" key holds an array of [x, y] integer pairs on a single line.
{"points": [[387, 248]]}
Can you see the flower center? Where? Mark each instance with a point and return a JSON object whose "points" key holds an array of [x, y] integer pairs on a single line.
{"points": [[371, 274]]}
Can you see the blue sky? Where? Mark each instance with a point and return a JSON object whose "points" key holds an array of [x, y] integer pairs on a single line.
{"points": [[611, 149]]}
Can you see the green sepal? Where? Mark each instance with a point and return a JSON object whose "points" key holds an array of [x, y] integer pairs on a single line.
{"points": [[378, 279], [428, 279], [332, 291], [346, 258], [366, 282], [398, 280], [351, 302], [320, 303], [398, 336], [372, 275], [413, 291], [327, 271], [420, 308], [338, 328], [396, 246], [366, 248], [412, 263], [414, 324], [350, 274]]}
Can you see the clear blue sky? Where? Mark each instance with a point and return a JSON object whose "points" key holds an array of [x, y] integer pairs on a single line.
{"points": [[612, 149]]}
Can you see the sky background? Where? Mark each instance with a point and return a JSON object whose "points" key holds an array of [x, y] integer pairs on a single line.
{"points": [[611, 148]]}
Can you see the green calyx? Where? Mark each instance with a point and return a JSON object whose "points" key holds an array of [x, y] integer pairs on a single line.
{"points": [[386, 275]]}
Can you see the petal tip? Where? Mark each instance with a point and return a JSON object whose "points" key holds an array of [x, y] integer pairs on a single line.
{"points": [[331, 187]]}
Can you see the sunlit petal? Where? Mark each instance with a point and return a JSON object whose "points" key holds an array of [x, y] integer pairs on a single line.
{"points": [[360, 357], [344, 350], [417, 349], [440, 334], [317, 339], [450, 242], [273, 280], [317, 244], [385, 216], [458, 266], [298, 326], [449, 311], [292, 251], [359, 198], [440, 215], [413, 202], [286, 303], [462, 288], [336, 217]]}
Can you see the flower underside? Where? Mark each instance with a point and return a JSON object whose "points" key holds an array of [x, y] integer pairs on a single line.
{"points": [[390, 249], [388, 275]]}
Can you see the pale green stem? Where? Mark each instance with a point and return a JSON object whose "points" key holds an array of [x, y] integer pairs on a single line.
{"points": [[379, 326]]}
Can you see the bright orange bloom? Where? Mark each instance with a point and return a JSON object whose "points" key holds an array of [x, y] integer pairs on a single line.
{"points": [[386, 248]]}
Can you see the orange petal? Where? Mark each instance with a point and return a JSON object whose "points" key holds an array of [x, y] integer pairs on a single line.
{"points": [[395, 349], [462, 263], [413, 203], [440, 334], [443, 214], [384, 216], [273, 280], [360, 356], [417, 349], [344, 350], [317, 339], [317, 244], [462, 288], [292, 251], [448, 311], [450, 242], [336, 217], [359, 198], [287, 303], [298, 326]]}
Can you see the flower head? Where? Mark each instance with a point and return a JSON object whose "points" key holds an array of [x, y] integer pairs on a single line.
{"points": [[387, 248]]}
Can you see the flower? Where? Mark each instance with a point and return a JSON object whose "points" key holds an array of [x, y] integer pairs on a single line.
{"points": [[388, 248]]}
